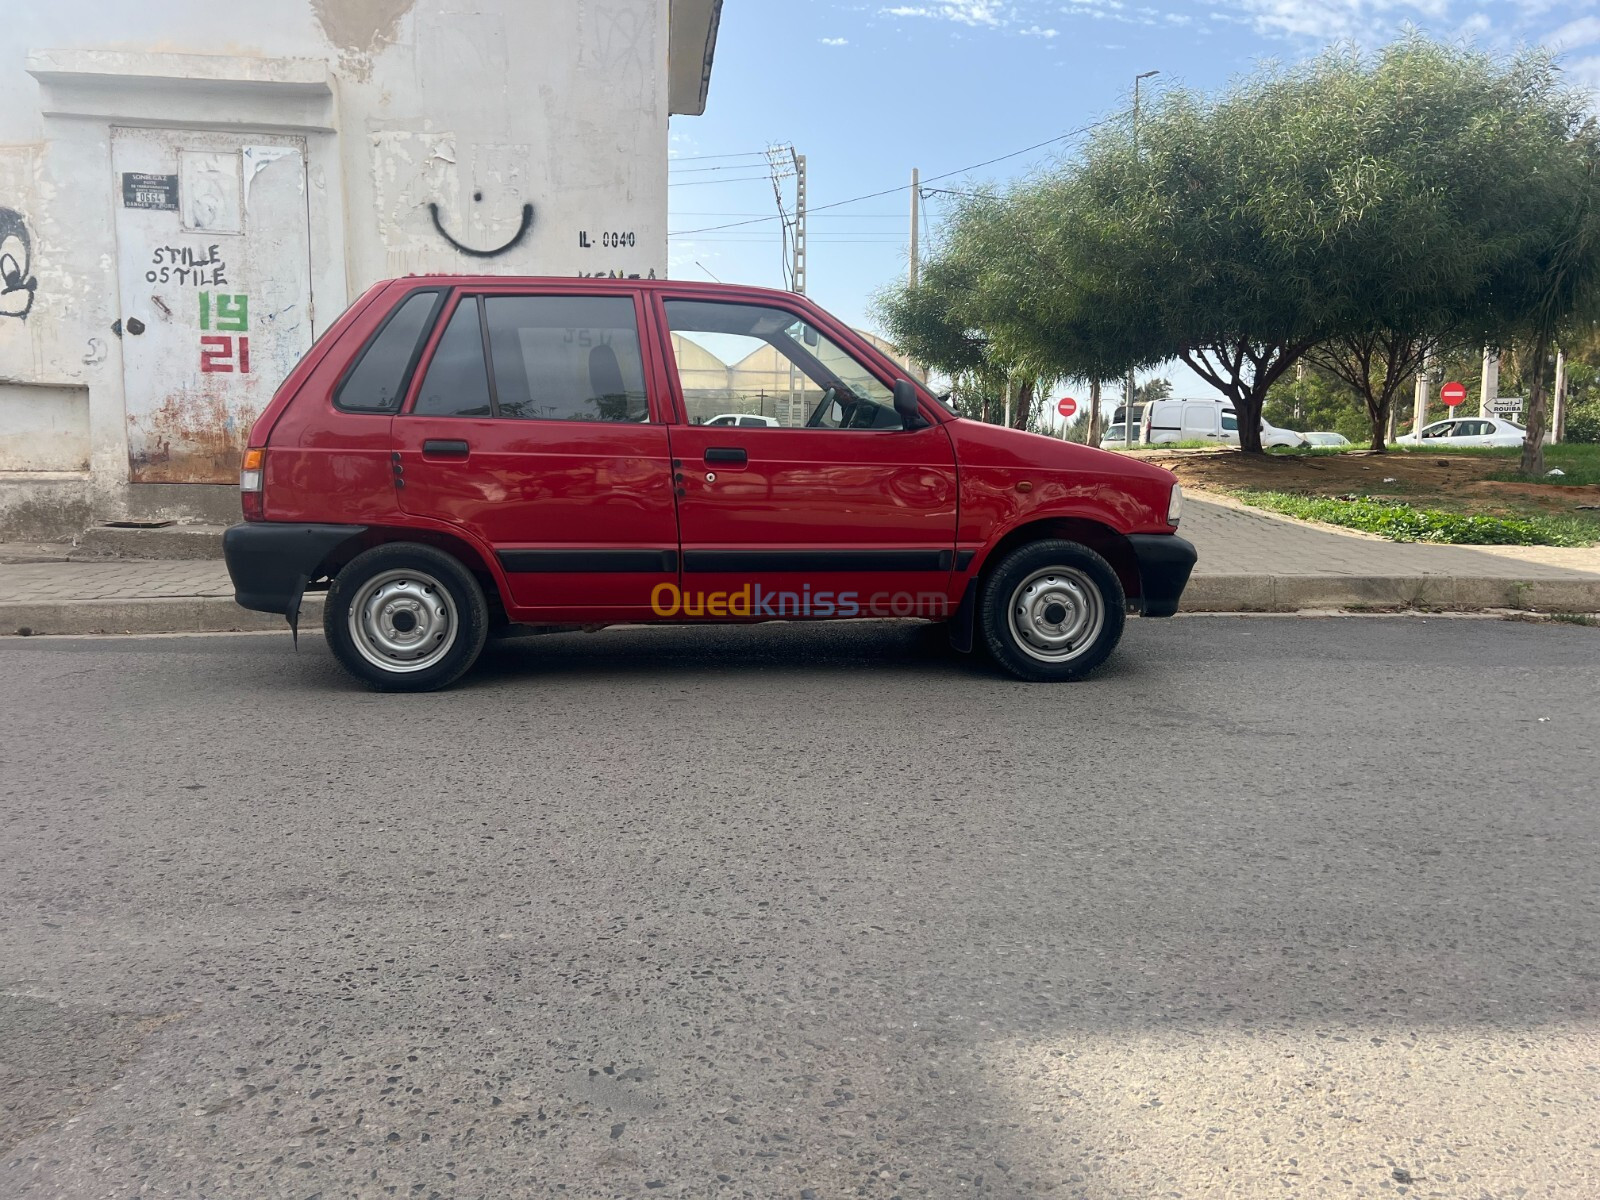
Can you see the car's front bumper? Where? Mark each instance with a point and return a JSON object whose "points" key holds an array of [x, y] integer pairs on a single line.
{"points": [[271, 562], [1165, 560]]}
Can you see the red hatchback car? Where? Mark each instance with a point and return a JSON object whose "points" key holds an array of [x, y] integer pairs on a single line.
{"points": [[458, 455]]}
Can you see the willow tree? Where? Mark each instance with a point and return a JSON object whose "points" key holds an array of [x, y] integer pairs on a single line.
{"points": [[991, 305], [1550, 283], [1364, 209], [1479, 167]]}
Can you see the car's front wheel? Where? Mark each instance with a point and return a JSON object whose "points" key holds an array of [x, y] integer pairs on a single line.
{"points": [[1051, 610], [405, 618]]}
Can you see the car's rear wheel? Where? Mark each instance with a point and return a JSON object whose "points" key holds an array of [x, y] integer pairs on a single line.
{"points": [[405, 618], [1051, 610]]}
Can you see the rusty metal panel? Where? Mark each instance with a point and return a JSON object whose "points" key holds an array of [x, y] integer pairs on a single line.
{"points": [[214, 261]]}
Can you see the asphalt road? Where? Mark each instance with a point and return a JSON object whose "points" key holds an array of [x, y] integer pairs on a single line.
{"points": [[1273, 907]]}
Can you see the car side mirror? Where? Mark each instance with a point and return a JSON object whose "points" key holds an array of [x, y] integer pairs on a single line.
{"points": [[905, 403]]}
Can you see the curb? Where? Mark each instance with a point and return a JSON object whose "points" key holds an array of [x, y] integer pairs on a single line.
{"points": [[166, 614], [1205, 594], [1444, 593]]}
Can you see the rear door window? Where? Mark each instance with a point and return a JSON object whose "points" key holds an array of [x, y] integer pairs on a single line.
{"points": [[457, 382], [566, 358], [378, 380]]}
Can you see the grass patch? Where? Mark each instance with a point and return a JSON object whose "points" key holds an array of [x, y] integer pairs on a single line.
{"points": [[1404, 523], [1587, 619]]}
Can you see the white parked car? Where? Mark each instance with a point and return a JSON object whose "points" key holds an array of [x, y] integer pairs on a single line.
{"points": [[1326, 439], [742, 420], [1167, 421], [1467, 431], [1112, 438]]}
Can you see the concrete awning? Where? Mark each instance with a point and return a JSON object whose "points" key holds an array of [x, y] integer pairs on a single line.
{"points": [[691, 42]]}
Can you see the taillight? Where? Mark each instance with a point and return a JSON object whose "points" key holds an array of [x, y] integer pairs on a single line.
{"points": [[250, 473]]}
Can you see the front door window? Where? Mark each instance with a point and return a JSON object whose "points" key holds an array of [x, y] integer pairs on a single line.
{"points": [[766, 362]]}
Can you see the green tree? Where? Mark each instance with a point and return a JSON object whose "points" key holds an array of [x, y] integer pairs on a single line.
{"points": [[1365, 209], [1309, 399], [1152, 389]]}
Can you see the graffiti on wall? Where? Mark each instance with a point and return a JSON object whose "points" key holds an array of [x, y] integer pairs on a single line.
{"points": [[221, 352], [17, 283], [185, 264], [522, 231]]}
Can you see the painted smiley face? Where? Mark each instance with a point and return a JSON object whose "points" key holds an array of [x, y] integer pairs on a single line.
{"points": [[522, 231], [16, 256]]}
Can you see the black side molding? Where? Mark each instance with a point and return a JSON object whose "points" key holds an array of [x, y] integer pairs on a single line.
{"points": [[705, 561], [554, 562]]}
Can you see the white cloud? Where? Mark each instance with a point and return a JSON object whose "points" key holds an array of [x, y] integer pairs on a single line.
{"points": [[1339, 20], [834, 41], [1585, 72], [1585, 31], [1016, 19], [972, 12]]}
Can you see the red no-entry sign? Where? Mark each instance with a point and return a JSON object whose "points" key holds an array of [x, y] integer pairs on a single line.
{"points": [[1453, 393], [1066, 406]]}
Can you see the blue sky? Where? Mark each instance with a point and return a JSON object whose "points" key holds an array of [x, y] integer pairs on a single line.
{"points": [[868, 91]]}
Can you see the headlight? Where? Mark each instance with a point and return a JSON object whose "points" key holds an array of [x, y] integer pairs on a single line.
{"points": [[1175, 505]]}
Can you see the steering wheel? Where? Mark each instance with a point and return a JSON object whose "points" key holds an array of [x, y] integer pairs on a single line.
{"points": [[823, 405]]}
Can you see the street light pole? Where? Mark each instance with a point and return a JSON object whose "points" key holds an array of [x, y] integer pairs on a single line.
{"points": [[1127, 405]]}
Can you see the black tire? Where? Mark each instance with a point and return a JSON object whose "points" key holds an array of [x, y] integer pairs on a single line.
{"points": [[429, 649], [1038, 578]]}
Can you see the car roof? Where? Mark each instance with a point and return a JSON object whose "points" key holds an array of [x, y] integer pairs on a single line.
{"points": [[604, 284]]}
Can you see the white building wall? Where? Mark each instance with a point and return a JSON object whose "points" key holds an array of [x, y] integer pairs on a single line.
{"points": [[429, 125]]}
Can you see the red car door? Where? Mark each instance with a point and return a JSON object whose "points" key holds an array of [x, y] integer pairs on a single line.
{"points": [[532, 428], [836, 511]]}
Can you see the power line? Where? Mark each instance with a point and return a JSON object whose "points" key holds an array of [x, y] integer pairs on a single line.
{"points": [[703, 170], [705, 157], [850, 216], [741, 179], [1082, 129]]}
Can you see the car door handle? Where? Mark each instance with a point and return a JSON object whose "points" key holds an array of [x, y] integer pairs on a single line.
{"points": [[446, 447], [726, 454]]}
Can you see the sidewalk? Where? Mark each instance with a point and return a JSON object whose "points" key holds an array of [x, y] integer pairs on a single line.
{"points": [[1250, 561], [1255, 561]]}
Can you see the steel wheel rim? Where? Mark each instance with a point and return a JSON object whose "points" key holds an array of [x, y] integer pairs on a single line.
{"points": [[403, 621], [1072, 599]]}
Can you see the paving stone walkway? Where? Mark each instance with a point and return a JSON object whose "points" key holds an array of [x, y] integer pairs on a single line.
{"points": [[1235, 539]]}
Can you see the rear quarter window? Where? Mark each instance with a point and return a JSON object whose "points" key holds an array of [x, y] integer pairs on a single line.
{"points": [[376, 383]]}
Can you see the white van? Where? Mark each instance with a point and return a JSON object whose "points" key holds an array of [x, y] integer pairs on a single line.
{"points": [[1167, 421]]}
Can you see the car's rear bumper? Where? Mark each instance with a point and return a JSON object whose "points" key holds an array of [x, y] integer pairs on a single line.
{"points": [[1165, 560], [271, 562]]}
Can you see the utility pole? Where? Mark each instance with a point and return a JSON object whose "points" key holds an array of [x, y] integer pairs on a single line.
{"points": [[1127, 404], [916, 196], [911, 270], [799, 222], [1489, 389]]}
